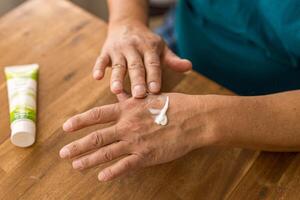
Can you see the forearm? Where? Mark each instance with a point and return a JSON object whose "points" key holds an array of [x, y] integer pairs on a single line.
{"points": [[133, 11], [268, 122]]}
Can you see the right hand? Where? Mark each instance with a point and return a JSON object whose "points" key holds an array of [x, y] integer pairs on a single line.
{"points": [[135, 47]]}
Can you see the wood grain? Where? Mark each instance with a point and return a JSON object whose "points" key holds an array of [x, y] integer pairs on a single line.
{"points": [[65, 41], [269, 178], [288, 186]]}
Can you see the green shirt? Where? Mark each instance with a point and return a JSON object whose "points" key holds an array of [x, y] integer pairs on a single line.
{"points": [[249, 46]]}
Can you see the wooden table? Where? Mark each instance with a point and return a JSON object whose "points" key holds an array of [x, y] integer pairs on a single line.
{"points": [[65, 41]]}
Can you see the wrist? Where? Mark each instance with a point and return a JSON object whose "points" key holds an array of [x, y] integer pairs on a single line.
{"points": [[133, 11], [214, 119], [199, 124]]}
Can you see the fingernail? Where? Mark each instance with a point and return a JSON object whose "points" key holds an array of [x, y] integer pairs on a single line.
{"points": [[139, 91], [67, 126], [116, 86], [97, 74], [102, 176], [154, 87], [64, 153], [77, 164]]}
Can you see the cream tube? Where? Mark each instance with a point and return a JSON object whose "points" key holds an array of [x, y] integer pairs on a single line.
{"points": [[22, 89]]}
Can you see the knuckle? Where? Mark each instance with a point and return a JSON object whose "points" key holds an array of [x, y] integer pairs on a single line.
{"points": [[115, 46], [123, 128], [108, 156], [154, 64], [148, 153], [73, 149], [116, 77], [117, 66], [95, 114], [135, 66], [126, 42], [155, 42], [134, 39], [124, 45], [97, 139], [158, 38], [85, 162]]}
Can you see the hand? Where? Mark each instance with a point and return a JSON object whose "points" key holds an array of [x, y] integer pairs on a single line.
{"points": [[135, 47], [135, 137]]}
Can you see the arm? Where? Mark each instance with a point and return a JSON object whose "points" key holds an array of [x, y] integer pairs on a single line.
{"points": [[131, 11], [132, 47], [268, 122]]}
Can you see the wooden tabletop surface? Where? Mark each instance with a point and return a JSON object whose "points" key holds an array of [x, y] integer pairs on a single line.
{"points": [[65, 41]]}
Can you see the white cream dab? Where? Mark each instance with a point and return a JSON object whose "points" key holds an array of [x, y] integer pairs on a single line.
{"points": [[161, 115]]}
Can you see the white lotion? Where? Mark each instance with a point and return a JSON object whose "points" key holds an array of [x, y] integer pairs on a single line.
{"points": [[161, 115], [22, 89]]}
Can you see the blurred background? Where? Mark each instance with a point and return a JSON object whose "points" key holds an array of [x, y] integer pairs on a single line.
{"points": [[158, 8], [97, 7]]}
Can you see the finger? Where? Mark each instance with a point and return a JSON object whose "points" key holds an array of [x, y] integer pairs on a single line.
{"points": [[90, 142], [174, 62], [120, 168], [136, 72], [118, 73], [153, 69], [123, 96], [98, 115], [101, 63], [103, 155]]}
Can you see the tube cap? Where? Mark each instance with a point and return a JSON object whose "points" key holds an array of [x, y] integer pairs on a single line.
{"points": [[23, 133]]}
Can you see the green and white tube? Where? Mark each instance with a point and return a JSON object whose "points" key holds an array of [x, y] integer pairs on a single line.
{"points": [[22, 90]]}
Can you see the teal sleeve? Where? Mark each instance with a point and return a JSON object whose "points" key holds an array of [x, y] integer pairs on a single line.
{"points": [[251, 47]]}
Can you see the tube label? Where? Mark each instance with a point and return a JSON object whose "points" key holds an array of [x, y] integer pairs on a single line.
{"points": [[22, 112], [22, 89]]}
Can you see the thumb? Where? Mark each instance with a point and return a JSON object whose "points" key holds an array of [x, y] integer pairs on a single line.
{"points": [[174, 62]]}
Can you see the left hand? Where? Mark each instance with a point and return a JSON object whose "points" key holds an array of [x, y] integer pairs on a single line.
{"points": [[135, 137]]}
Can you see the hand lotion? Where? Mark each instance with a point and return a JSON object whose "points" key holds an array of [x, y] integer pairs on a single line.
{"points": [[161, 115], [22, 89]]}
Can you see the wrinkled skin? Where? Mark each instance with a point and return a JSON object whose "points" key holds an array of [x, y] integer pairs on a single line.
{"points": [[135, 137]]}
